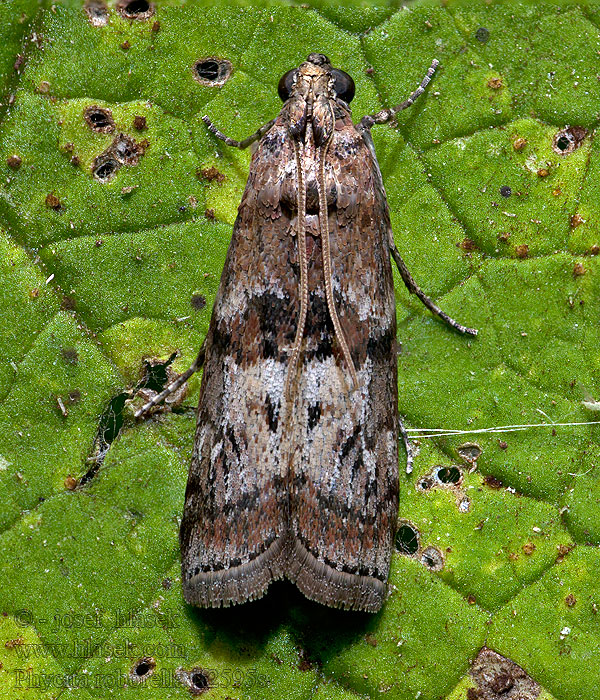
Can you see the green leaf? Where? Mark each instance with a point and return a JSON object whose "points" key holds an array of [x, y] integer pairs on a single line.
{"points": [[116, 210]]}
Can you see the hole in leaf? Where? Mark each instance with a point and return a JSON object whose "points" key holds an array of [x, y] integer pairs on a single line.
{"points": [[432, 558], [109, 427], [142, 669], [199, 680], [449, 475], [568, 140], [135, 9], [212, 71], [407, 539], [156, 377], [470, 452], [425, 483], [99, 119], [105, 168], [97, 12]]}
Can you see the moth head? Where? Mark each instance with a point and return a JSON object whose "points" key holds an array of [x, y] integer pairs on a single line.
{"points": [[341, 84]]}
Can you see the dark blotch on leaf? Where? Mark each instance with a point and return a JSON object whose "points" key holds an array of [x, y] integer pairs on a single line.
{"points": [[505, 191], [482, 35], [99, 119], [407, 539], [69, 355], [198, 302], [212, 71], [68, 303]]}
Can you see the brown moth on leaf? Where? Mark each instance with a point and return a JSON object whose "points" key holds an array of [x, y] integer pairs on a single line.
{"points": [[295, 464]]}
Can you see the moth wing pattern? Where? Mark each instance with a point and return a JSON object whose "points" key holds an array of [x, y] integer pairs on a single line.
{"points": [[234, 532], [344, 461]]}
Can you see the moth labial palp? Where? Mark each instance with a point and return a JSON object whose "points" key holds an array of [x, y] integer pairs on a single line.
{"points": [[294, 471]]}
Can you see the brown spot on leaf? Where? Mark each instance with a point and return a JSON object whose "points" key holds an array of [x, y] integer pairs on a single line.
{"points": [[14, 162], [578, 270], [543, 172], [522, 251], [468, 245], [12, 643], [71, 483], [519, 144], [211, 174], [528, 548], [491, 482], [502, 444], [503, 236], [43, 88], [570, 601], [125, 45], [139, 122], [576, 220], [495, 83], [499, 678], [209, 213], [53, 202]]}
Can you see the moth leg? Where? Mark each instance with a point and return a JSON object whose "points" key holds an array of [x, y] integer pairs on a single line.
{"points": [[387, 114], [174, 385], [232, 142], [407, 445], [414, 288]]}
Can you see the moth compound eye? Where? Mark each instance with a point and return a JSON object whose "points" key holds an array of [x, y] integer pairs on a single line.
{"points": [[286, 84], [343, 85]]}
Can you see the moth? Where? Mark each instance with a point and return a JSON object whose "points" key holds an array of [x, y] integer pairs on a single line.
{"points": [[295, 463]]}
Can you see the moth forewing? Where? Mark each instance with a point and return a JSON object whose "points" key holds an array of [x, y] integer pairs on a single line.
{"points": [[295, 463]]}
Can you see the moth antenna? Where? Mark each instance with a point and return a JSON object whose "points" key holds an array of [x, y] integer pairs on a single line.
{"points": [[326, 250], [232, 142], [385, 115], [303, 259]]}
